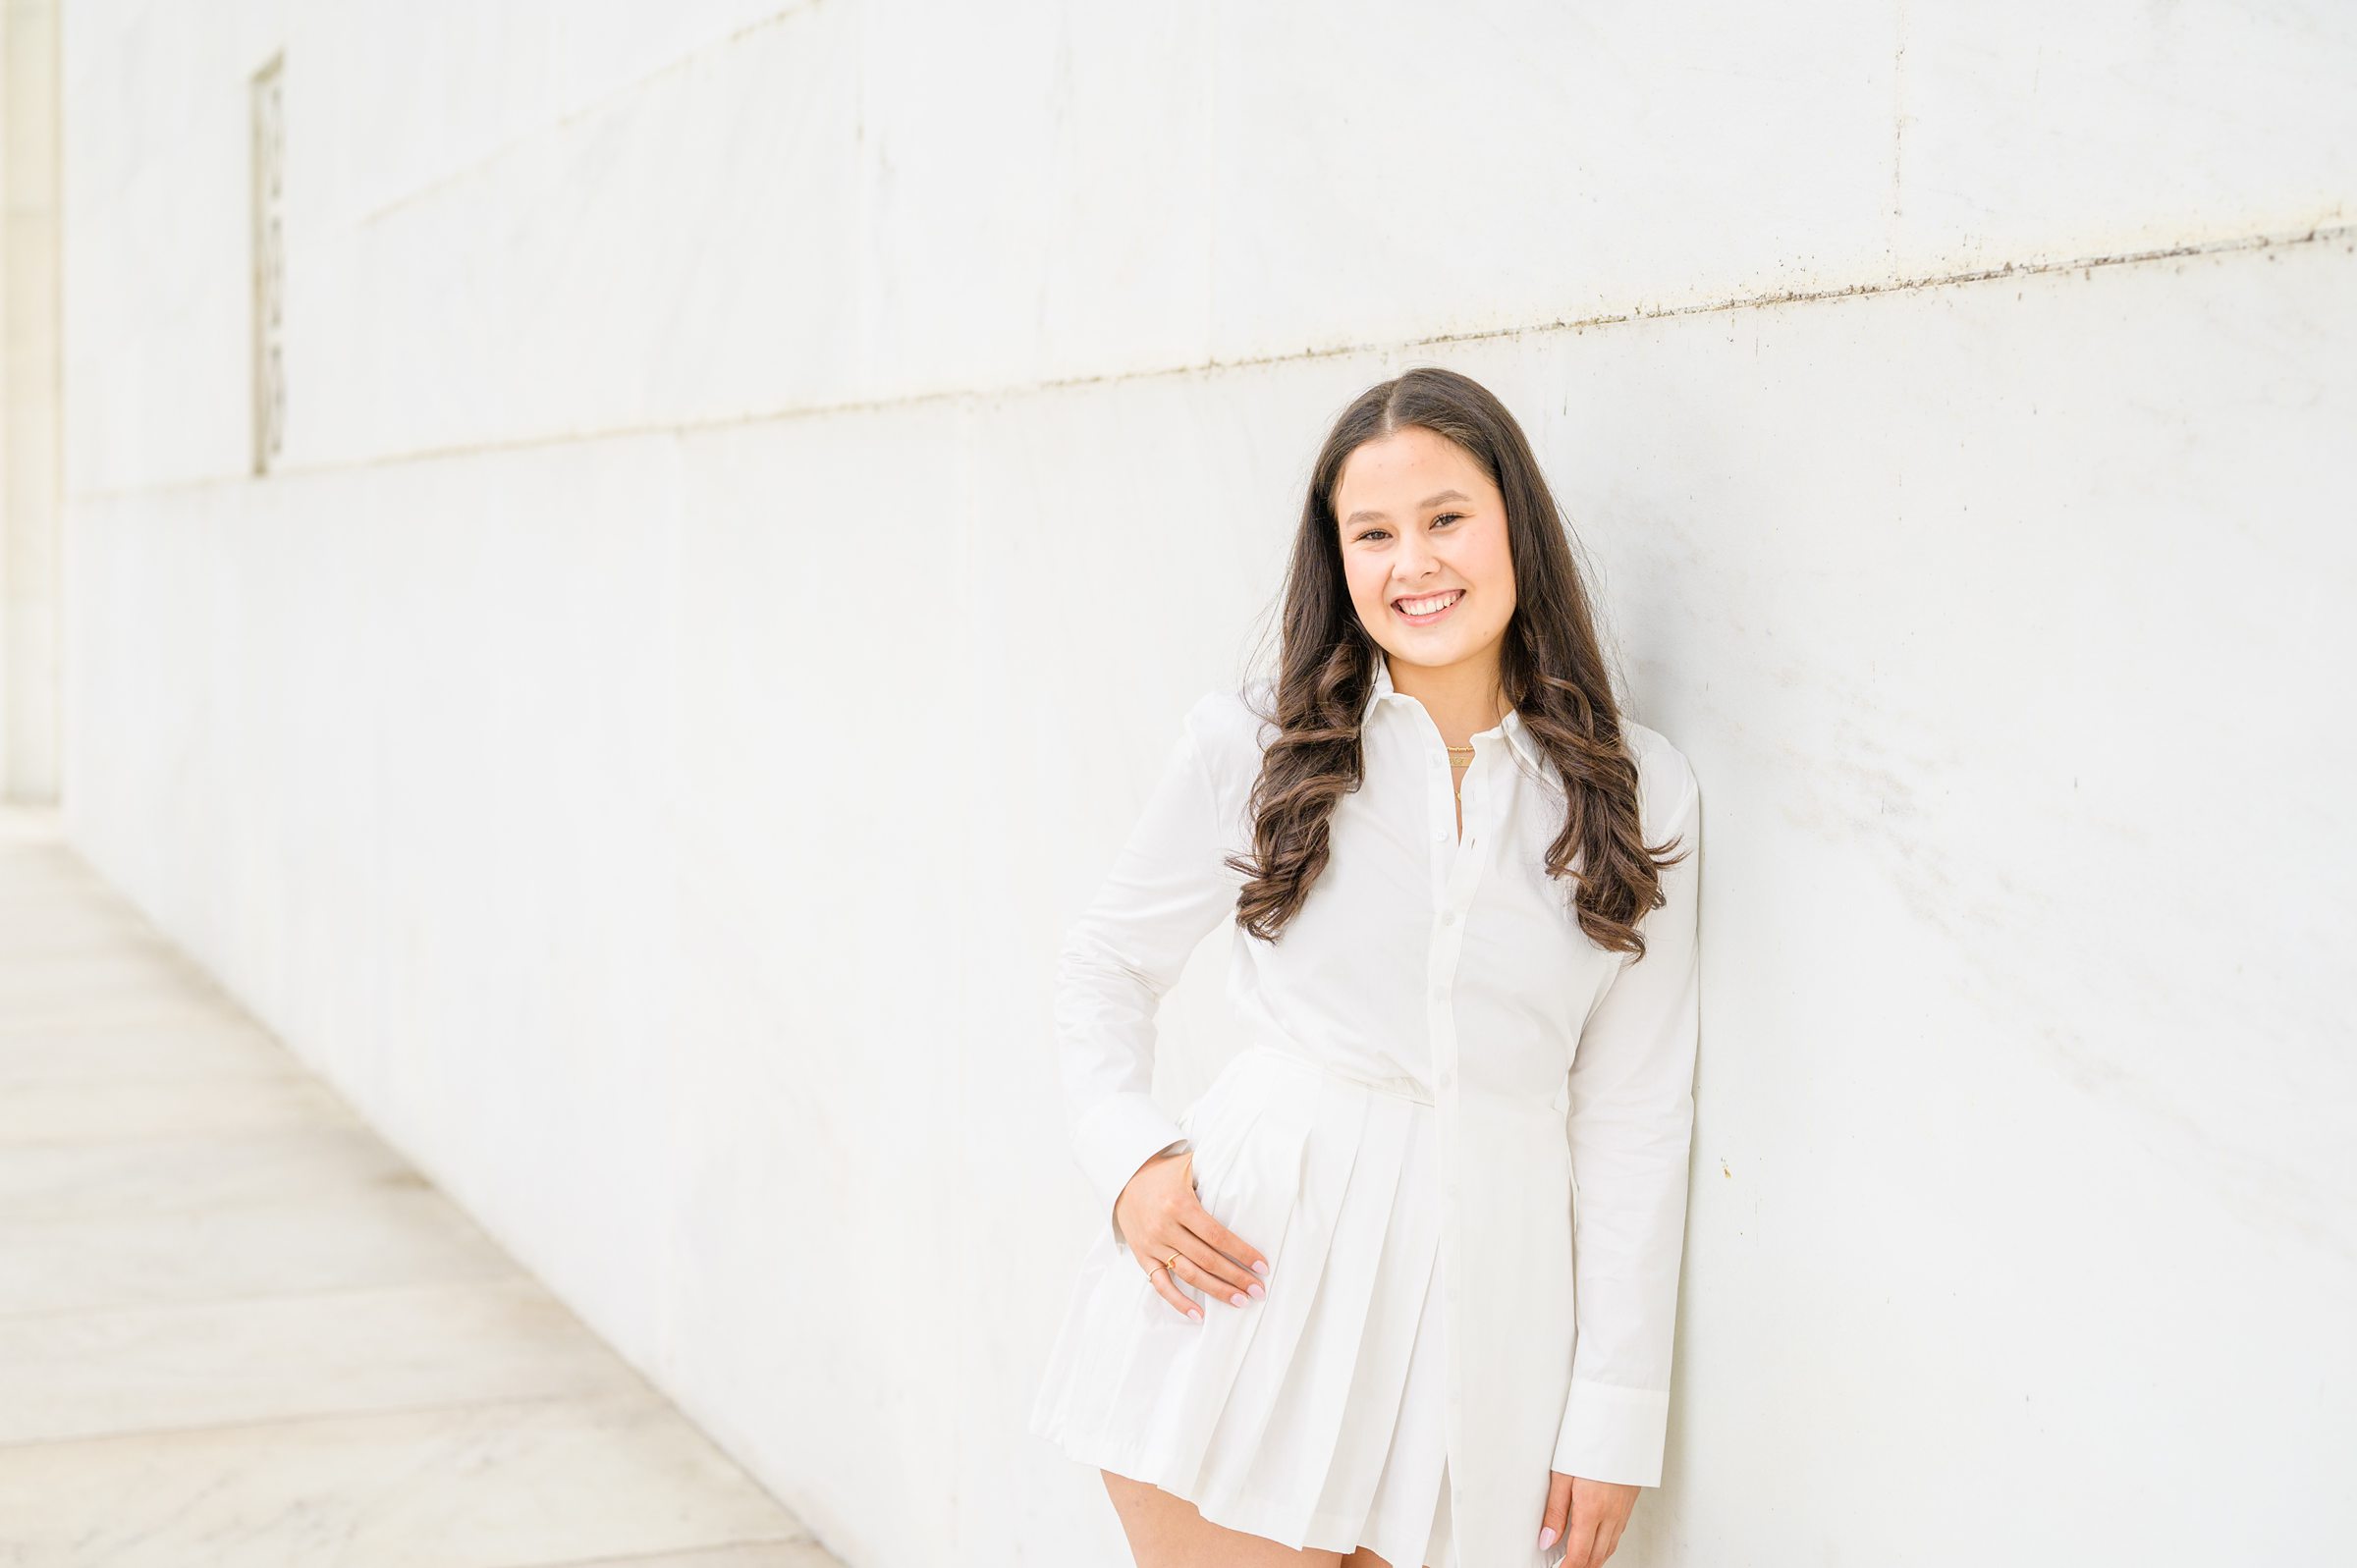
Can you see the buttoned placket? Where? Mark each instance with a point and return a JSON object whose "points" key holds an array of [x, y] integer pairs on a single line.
{"points": [[1457, 870]]}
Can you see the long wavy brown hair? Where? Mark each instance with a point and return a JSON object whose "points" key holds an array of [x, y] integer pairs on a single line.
{"points": [[1552, 667]]}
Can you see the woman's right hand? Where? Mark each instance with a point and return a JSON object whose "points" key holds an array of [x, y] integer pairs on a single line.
{"points": [[1160, 1215]]}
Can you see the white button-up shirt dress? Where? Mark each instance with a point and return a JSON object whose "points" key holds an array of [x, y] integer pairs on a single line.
{"points": [[1457, 1129]]}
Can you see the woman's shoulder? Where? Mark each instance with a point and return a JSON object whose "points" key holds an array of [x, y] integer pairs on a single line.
{"points": [[1231, 727], [1667, 789], [1225, 731]]}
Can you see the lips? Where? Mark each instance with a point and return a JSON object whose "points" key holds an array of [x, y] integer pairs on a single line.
{"points": [[1434, 606]]}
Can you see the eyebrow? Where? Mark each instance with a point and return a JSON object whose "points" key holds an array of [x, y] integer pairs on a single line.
{"points": [[1371, 514]]}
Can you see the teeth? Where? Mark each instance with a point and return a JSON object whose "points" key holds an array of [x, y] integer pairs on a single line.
{"points": [[1425, 606]]}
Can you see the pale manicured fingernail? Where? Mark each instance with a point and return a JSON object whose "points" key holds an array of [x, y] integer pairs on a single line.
{"points": [[1195, 1314], [1257, 1292], [1260, 1267], [1237, 1300], [1546, 1537]]}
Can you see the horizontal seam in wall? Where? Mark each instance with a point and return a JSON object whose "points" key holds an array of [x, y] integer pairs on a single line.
{"points": [[2321, 234]]}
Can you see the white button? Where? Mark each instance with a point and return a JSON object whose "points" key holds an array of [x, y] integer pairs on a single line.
{"points": [[1440, 833], [1448, 917]]}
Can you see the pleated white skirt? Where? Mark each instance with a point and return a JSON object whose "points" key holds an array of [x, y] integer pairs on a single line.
{"points": [[1312, 1416]]}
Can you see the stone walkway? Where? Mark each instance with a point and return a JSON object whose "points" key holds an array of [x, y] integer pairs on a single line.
{"points": [[235, 1330]]}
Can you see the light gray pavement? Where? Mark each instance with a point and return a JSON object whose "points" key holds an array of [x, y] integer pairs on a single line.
{"points": [[235, 1330]]}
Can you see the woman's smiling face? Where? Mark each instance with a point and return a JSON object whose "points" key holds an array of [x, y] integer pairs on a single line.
{"points": [[1421, 523]]}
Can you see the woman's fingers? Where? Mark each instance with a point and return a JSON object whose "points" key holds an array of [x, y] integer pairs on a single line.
{"points": [[1589, 1515], [1185, 1269], [1189, 1260], [1224, 1259], [1221, 1289], [1166, 1286], [1588, 1547], [1184, 1251], [1556, 1517]]}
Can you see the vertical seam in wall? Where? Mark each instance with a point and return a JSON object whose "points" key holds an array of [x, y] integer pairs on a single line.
{"points": [[1898, 123]]}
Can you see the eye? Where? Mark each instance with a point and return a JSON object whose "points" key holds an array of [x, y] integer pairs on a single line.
{"points": [[1383, 533]]}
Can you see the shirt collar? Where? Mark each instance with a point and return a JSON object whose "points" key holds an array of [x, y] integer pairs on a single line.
{"points": [[1517, 733]]}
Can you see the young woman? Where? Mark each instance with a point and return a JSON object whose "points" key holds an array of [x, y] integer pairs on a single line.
{"points": [[1332, 1318]]}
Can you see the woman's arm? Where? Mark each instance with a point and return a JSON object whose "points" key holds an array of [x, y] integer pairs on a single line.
{"points": [[1631, 1127], [1168, 887]]}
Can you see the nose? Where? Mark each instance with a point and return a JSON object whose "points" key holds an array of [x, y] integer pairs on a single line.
{"points": [[1417, 560]]}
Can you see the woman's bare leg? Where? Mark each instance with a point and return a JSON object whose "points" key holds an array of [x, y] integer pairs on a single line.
{"points": [[1363, 1559], [1166, 1532]]}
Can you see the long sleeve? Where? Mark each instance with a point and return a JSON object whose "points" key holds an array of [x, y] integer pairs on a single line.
{"points": [[1167, 888], [1631, 1127]]}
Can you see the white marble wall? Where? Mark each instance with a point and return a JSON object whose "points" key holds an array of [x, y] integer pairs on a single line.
{"points": [[29, 415], [761, 483]]}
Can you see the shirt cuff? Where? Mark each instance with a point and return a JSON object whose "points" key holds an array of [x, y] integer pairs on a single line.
{"points": [[1117, 1136], [1613, 1433]]}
